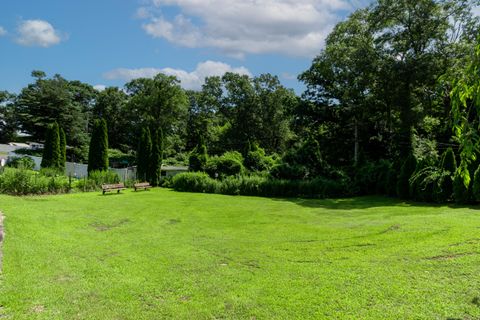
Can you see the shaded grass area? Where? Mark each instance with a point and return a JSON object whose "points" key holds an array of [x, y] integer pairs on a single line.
{"points": [[162, 254]]}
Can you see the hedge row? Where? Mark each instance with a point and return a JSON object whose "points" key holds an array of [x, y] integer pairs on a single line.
{"points": [[260, 186]]}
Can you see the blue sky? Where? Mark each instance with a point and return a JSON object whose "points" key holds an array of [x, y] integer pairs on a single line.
{"points": [[108, 42]]}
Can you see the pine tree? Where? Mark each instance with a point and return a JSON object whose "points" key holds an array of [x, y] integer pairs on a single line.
{"points": [[63, 149], [156, 158], [51, 150], [98, 152], [143, 155]]}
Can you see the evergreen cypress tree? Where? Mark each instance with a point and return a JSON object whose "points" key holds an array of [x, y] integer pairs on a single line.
{"points": [[156, 158], [449, 164], [461, 194], [51, 149], [143, 155], [63, 149], [98, 152], [47, 149]]}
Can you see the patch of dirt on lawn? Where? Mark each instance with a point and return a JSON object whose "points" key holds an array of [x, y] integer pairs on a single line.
{"points": [[395, 227], [105, 227], [451, 256]]}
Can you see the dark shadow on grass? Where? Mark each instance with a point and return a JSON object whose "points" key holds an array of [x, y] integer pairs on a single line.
{"points": [[366, 202], [359, 202], [110, 194]]}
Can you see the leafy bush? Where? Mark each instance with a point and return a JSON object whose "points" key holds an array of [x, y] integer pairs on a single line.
{"points": [[391, 182], [96, 179], [289, 171], [26, 182], [194, 182], [166, 182], [257, 160], [449, 166], [403, 182], [30, 152], [198, 158], [426, 183], [229, 164], [371, 178], [260, 186], [476, 185], [21, 163], [461, 194]]}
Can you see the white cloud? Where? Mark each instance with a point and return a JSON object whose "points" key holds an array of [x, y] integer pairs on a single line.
{"points": [[239, 27], [289, 76], [190, 80], [100, 87], [2, 31], [37, 33]]}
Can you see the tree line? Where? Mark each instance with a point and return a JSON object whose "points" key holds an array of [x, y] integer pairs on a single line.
{"points": [[390, 90]]}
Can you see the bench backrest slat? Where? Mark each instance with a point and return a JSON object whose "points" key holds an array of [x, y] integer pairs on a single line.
{"points": [[142, 184], [113, 186]]}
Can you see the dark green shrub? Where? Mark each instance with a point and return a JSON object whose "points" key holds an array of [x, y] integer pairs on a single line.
{"points": [[383, 169], [198, 158], [403, 182], [289, 171], [461, 193], [194, 182], [476, 185], [166, 182], [391, 182], [449, 166], [95, 180], [229, 164], [426, 183], [257, 160], [28, 182], [261, 186], [21, 163], [371, 177], [419, 190]]}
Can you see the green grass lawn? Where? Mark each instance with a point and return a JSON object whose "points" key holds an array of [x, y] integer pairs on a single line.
{"points": [[162, 254]]}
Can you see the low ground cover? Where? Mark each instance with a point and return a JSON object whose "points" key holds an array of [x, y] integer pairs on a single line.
{"points": [[162, 254]]}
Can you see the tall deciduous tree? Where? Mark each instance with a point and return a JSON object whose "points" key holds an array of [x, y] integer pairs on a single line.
{"points": [[160, 103], [98, 152], [111, 105], [55, 99]]}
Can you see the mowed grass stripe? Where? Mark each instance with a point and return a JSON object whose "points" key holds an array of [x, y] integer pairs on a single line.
{"points": [[162, 254]]}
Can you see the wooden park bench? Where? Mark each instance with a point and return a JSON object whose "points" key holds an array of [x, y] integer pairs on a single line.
{"points": [[112, 187], [142, 185]]}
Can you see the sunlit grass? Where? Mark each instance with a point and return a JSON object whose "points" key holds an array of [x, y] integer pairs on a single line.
{"points": [[161, 254]]}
